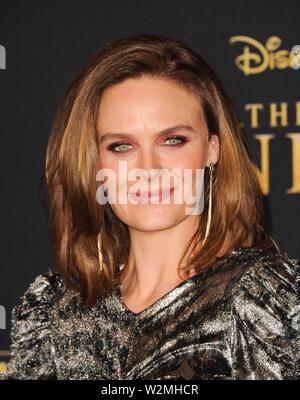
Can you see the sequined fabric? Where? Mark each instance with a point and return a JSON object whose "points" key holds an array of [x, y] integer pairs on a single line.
{"points": [[239, 319]]}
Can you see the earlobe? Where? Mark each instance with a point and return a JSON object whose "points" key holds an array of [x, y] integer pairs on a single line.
{"points": [[213, 149]]}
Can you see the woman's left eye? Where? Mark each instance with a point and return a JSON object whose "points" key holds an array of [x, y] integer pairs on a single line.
{"points": [[175, 140]]}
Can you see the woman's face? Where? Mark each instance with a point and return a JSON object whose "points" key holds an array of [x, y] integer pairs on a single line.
{"points": [[152, 124]]}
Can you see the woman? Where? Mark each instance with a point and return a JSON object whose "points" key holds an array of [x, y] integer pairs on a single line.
{"points": [[149, 290]]}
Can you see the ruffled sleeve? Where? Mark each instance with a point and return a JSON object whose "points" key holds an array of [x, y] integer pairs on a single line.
{"points": [[265, 325], [32, 353]]}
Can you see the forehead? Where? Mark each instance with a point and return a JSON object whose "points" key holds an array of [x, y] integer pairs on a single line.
{"points": [[138, 103]]}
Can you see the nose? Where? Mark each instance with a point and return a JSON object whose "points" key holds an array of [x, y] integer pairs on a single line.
{"points": [[149, 160]]}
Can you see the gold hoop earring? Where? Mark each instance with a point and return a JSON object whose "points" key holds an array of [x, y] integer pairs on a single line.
{"points": [[99, 252], [211, 170]]}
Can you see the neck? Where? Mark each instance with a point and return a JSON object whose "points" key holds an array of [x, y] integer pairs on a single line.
{"points": [[154, 258]]}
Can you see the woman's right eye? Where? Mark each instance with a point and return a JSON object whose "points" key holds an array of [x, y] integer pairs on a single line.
{"points": [[119, 147]]}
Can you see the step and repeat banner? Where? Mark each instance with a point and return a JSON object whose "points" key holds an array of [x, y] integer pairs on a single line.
{"points": [[253, 47]]}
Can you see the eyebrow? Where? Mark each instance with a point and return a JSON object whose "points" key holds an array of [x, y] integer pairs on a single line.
{"points": [[173, 129]]}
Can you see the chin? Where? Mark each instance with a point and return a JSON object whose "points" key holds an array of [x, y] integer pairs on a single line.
{"points": [[151, 217]]}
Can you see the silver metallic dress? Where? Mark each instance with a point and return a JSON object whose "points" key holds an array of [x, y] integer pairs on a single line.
{"points": [[238, 319]]}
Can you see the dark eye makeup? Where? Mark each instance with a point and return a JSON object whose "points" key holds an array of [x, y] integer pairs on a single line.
{"points": [[117, 147]]}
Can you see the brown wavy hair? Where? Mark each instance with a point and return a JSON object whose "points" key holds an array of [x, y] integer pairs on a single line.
{"points": [[75, 217]]}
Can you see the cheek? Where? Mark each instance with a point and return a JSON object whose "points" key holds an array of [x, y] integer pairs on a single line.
{"points": [[109, 173], [191, 159], [107, 161], [191, 164]]}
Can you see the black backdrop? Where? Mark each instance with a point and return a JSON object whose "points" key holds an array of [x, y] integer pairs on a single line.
{"points": [[45, 43]]}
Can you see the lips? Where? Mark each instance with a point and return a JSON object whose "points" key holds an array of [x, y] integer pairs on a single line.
{"points": [[149, 196], [154, 194]]}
